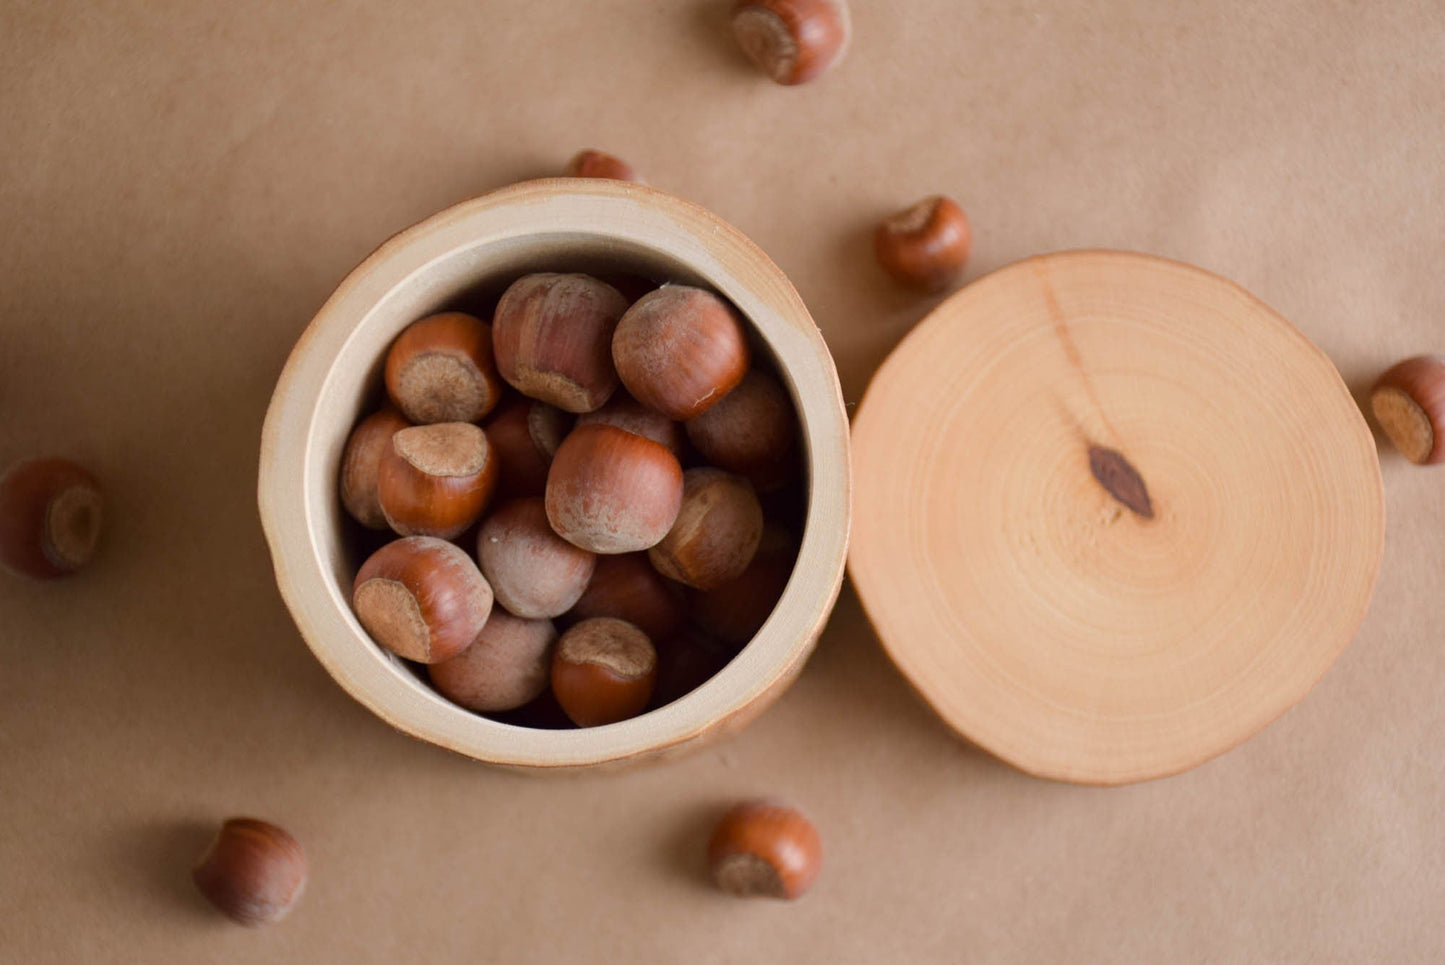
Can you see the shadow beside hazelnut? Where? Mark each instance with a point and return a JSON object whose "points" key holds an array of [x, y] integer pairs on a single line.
{"points": [[50, 518], [254, 871], [735, 610]]}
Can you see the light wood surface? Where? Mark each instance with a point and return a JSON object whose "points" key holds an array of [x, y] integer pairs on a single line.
{"points": [[1114, 514], [556, 224]]}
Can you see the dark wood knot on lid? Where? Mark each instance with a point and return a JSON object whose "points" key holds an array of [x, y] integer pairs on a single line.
{"points": [[1121, 480]]}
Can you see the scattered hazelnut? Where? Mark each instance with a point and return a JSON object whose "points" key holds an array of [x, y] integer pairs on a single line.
{"points": [[505, 667], [610, 491], [750, 432], [626, 586], [596, 164], [762, 849], [686, 661], [925, 246], [534, 573], [254, 872], [422, 598], [736, 610], [679, 350], [361, 465], [548, 426], [716, 532], [521, 465], [793, 41], [552, 335], [440, 370], [435, 480], [627, 413], [50, 516], [603, 671], [1409, 403]]}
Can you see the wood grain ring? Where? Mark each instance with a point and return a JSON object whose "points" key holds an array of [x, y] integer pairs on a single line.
{"points": [[1114, 514]]}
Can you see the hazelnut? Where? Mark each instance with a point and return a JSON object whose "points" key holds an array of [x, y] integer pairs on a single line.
{"points": [[603, 671], [435, 480], [793, 41], [521, 465], [505, 667], [716, 532], [750, 432], [679, 350], [925, 246], [422, 598], [627, 413], [440, 370], [534, 573], [596, 164], [628, 588], [610, 491], [736, 609], [50, 516], [361, 465], [548, 426], [685, 662], [1409, 403], [764, 849], [254, 872], [552, 335]]}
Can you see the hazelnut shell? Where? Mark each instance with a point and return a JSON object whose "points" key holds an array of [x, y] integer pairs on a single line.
{"points": [[50, 518], [763, 849], [679, 350], [253, 871], [610, 491], [603, 671]]}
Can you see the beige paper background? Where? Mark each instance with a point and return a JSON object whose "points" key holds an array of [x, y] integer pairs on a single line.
{"points": [[182, 184]]}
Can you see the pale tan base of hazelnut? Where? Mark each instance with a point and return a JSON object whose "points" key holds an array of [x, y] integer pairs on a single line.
{"points": [[748, 876], [440, 387], [1405, 422], [391, 614], [72, 526]]}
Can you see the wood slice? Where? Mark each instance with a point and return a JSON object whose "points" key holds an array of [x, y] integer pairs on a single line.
{"points": [[1113, 514]]}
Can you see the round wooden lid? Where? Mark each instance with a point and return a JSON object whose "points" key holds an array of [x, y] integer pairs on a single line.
{"points": [[1113, 515]]}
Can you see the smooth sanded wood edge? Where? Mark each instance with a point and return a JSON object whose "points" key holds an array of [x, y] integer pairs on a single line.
{"points": [[1360, 434]]}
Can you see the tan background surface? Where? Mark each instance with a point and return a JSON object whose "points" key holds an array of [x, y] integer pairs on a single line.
{"points": [[181, 185]]}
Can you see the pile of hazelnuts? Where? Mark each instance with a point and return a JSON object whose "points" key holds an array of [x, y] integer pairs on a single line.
{"points": [[575, 488]]}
